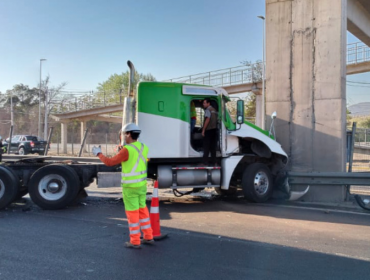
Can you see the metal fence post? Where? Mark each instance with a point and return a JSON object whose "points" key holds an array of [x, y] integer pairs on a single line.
{"points": [[48, 143], [72, 135], [83, 143], [10, 138], [365, 136], [106, 143], [352, 147]]}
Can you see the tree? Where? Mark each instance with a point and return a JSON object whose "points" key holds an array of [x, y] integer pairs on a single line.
{"points": [[50, 94], [256, 70], [256, 74], [250, 106], [116, 86]]}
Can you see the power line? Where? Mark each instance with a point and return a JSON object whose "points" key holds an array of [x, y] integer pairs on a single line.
{"points": [[358, 86], [355, 82]]}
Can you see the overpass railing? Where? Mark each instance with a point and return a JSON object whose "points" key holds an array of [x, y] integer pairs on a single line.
{"points": [[357, 53], [244, 74]]}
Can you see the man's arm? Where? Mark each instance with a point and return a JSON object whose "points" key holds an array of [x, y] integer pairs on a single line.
{"points": [[117, 159]]}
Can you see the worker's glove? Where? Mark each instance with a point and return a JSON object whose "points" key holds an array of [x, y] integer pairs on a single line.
{"points": [[96, 150]]}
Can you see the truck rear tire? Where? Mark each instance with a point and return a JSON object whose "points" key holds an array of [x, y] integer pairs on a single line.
{"points": [[257, 182], [9, 186], [54, 186]]}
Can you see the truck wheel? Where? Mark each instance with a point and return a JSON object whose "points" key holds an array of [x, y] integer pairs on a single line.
{"points": [[21, 151], [230, 191], [257, 182], [54, 186], [9, 186]]}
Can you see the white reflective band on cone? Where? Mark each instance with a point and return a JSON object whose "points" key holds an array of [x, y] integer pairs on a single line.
{"points": [[154, 210], [155, 192]]}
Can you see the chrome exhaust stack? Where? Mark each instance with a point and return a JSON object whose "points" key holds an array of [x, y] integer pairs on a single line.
{"points": [[132, 79], [129, 103]]}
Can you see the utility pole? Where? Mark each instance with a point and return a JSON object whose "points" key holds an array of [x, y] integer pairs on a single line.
{"points": [[46, 114], [11, 110], [39, 129], [263, 76]]}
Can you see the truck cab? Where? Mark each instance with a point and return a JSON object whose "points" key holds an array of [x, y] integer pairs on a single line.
{"points": [[163, 112]]}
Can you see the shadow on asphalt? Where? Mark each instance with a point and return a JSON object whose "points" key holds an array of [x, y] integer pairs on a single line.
{"points": [[92, 248], [270, 209], [188, 204]]}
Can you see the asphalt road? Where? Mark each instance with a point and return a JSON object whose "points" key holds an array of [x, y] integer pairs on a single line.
{"points": [[208, 239]]}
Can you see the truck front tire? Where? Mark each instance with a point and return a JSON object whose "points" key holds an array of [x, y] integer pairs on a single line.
{"points": [[54, 186], [9, 186], [257, 182]]}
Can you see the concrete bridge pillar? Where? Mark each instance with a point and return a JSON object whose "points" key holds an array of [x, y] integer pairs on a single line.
{"points": [[259, 110], [305, 77], [64, 126]]}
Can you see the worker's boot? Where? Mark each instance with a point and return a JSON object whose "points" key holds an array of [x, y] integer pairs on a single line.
{"points": [[133, 246], [146, 241]]}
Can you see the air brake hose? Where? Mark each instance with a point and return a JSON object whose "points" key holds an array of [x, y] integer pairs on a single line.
{"points": [[180, 194]]}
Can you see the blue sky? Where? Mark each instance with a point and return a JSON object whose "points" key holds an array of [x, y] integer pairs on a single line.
{"points": [[85, 41]]}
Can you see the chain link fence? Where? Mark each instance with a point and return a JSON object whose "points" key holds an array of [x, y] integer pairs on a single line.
{"points": [[361, 152], [107, 141]]}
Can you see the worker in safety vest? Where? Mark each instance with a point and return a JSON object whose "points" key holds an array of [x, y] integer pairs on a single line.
{"points": [[133, 158]]}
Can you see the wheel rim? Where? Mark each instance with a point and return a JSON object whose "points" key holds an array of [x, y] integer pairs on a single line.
{"points": [[21, 152], [261, 183], [2, 189], [52, 187]]}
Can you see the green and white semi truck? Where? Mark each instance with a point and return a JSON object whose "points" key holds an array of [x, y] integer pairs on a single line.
{"points": [[248, 157]]}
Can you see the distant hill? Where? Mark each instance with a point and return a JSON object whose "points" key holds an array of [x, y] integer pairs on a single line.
{"points": [[360, 109]]}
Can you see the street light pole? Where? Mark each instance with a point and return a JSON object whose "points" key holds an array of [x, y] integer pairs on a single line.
{"points": [[39, 129], [263, 75], [11, 110]]}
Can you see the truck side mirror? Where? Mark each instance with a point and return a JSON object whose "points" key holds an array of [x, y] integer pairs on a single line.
{"points": [[240, 111]]}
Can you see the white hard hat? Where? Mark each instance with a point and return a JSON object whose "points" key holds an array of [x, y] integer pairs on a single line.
{"points": [[131, 127]]}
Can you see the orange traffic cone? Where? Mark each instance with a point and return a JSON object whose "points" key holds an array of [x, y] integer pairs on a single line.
{"points": [[154, 215]]}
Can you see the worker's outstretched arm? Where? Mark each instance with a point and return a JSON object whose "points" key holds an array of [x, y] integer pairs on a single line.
{"points": [[117, 159]]}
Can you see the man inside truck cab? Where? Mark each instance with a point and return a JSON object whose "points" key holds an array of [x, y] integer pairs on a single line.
{"points": [[209, 132]]}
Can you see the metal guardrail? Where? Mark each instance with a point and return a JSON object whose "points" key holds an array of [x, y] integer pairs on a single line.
{"points": [[329, 178]]}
